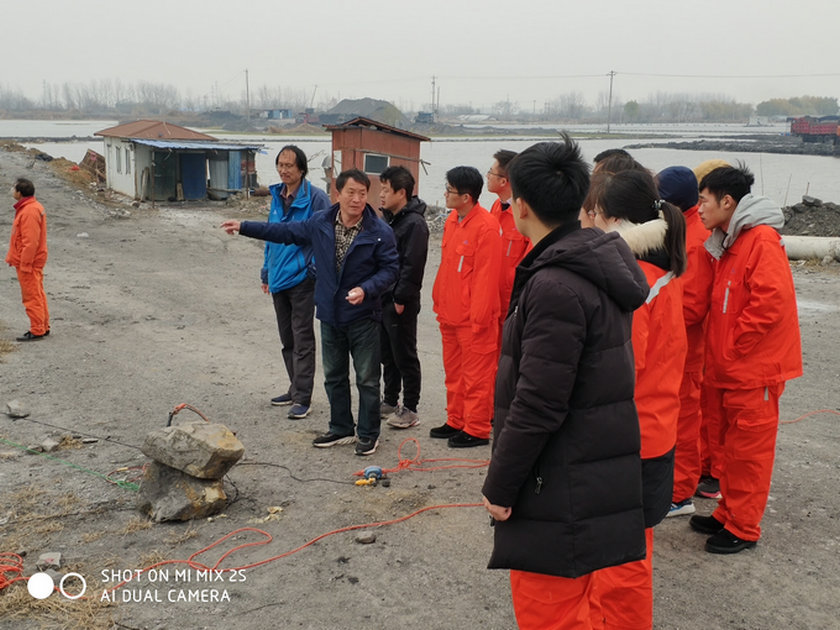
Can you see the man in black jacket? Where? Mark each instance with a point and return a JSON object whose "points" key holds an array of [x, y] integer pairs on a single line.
{"points": [[404, 211], [564, 483]]}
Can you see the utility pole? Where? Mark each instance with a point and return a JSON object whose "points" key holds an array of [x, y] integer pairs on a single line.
{"points": [[247, 100], [609, 103], [432, 102]]}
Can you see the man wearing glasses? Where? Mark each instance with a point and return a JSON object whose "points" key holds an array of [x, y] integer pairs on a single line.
{"points": [[466, 300], [288, 276], [514, 245]]}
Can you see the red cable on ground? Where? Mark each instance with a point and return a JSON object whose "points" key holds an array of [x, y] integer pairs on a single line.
{"points": [[194, 564], [415, 463], [11, 568], [810, 413]]}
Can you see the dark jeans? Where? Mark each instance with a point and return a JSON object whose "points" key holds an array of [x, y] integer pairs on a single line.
{"points": [[400, 365], [359, 340], [294, 308]]}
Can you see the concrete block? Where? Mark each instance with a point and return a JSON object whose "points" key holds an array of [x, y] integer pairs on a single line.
{"points": [[167, 494], [200, 449]]}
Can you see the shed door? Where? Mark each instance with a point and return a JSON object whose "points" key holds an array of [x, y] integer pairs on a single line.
{"points": [[166, 175], [194, 175]]}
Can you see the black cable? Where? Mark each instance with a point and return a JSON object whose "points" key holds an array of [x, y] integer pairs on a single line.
{"points": [[293, 476]]}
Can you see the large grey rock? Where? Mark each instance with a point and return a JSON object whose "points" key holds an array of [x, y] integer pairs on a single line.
{"points": [[167, 494], [200, 449]]}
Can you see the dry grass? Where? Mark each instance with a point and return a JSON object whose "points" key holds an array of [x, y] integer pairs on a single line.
{"points": [[136, 524], [152, 557], [55, 612], [179, 538], [69, 442]]}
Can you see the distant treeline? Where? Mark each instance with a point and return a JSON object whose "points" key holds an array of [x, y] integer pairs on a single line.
{"points": [[114, 98]]}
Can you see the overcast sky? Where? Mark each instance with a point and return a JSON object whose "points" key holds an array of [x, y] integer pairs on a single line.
{"points": [[481, 52]]}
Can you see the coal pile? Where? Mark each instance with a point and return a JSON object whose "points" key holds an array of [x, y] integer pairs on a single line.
{"points": [[812, 217]]}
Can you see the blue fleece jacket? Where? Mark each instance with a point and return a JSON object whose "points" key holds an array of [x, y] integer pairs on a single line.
{"points": [[371, 262], [286, 266]]}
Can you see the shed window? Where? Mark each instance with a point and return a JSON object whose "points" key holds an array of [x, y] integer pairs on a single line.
{"points": [[118, 154], [375, 163], [127, 161]]}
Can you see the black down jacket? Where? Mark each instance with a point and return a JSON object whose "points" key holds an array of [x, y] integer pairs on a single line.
{"points": [[566, 434]]}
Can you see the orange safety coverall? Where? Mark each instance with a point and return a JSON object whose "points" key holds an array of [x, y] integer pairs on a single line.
{"points": [[752, 348], [696, 280], [514, 248], [28, 255], [549, 602], [624, 593], [466, 300]]}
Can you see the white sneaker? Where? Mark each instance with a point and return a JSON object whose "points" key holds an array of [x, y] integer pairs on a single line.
{"points": [[403, 419], [683, 508]]}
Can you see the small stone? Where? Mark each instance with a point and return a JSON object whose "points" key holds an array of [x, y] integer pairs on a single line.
{"points": [[16, 409], [35, 448], [366, 538], [89, 440], [49, 445], [49, 560], [82, 235]]}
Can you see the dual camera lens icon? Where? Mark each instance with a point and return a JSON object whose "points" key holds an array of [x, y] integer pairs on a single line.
{"points": [[41, 585]]}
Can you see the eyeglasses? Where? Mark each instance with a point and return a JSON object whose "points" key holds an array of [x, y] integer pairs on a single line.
{"points": [[452, 191], [489, 173]]}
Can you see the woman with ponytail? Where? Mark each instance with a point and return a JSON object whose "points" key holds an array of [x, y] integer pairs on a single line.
{"points": [[628, 203]]}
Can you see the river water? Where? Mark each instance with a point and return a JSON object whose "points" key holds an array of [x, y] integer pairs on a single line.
{"points": [[783, 178]]}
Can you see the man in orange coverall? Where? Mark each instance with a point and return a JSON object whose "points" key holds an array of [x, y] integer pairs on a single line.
{"points": [[514, 245], [466, 300], [28, 255], [752, 348]]}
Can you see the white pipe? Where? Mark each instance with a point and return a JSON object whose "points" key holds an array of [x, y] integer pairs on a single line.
{"points": [[805, 247]]}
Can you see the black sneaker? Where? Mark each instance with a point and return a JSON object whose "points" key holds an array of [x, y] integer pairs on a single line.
{"points": [[444, 431], [462, 439], [282, 399], [28, 336], [331, 439], [708, 488], [727, 542], [366, 446], [705, 524]]}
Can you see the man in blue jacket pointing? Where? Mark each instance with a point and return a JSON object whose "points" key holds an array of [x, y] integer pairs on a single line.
{"points": [[356, 258]]}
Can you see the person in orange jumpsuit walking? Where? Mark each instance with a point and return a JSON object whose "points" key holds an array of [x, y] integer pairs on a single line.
{"points": [[514, 244], [466, 301], [628, 202], [752, 349], [678, 185], [28, 255]]}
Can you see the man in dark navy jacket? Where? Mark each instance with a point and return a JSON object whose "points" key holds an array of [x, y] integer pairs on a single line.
{"points": [[356, 259]]}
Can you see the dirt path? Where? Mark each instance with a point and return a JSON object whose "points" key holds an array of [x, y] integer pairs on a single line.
{"points": [[159, 307]]}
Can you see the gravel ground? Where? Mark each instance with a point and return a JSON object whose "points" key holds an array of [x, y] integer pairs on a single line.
{"points": [[155, 307]]}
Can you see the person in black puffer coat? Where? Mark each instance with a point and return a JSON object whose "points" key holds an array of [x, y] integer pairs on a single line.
{"points": [[564, 483]]}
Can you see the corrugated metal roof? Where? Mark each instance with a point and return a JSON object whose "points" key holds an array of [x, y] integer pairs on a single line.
{"points": [[361, 121], [202, 145], [153, 129]]}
